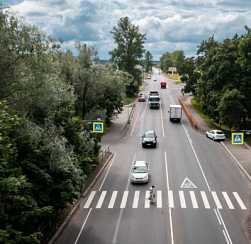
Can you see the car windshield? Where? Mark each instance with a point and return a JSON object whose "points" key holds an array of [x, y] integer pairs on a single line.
{"points": [[140, 169], [149, 135], [153, 99]]}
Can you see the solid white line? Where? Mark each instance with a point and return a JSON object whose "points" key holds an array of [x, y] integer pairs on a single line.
{"points": [[107, 172], [171, 225], [159, 199], [136, 119], [124, 199], [167, 179], [170, 199], [204, 198], [136, 199], [216, 199], [188, 137], [113, 198], [101, 199], [90, 198], [224, 227], [182, 199], [224, 233], [193, 198], [147, 202], [242, 205], [229, 203], [217, 216], [83, 226], [162, 123]]}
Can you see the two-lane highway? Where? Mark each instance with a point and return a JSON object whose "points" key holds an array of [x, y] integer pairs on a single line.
{"points": [[201, 196]]}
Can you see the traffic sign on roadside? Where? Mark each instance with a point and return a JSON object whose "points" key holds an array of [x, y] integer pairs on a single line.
{"points": [[237, 138], [98, 127]]}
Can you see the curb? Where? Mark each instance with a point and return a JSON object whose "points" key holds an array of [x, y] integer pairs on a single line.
{"points": [[188, 113], [238, 164], [78, 202]]}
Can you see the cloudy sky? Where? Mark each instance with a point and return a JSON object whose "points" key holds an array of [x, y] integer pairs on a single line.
{"points": [[169, 24]]}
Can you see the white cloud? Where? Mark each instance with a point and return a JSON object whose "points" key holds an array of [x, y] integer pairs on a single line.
{"points": [[169, 24]]}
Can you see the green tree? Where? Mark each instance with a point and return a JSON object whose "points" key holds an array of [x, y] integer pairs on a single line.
{"points": [[129, 51], [178, 56], [148, 62], [231, 109]]}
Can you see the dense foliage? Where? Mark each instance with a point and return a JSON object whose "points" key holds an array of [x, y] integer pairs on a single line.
{"points": [[148, 62], [46, 152], [220, 78], [174, 59], [129, 51]]}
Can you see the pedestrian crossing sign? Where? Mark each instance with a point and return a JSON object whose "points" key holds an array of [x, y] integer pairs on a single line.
{"points": [[98, 127], [237, 138]]}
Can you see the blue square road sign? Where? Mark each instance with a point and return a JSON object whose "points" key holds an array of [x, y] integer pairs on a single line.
{"points": [[98, 127], [237, 138]]}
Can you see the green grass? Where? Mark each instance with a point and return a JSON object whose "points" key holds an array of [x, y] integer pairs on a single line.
{"points": [[211, 123], [131, 99], [174, 76], [178, 82]]}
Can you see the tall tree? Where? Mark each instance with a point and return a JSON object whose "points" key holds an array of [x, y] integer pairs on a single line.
{"points": [[148, 62], [129, 51], [178, 56]]}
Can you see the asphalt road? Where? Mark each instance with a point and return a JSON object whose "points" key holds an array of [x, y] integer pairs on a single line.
{"points": [[202, 197]]}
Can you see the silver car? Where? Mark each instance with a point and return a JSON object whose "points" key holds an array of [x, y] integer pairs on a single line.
{"points": [[140, 172], [216, 135]]}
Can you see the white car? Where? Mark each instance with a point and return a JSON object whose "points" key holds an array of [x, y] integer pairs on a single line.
{"points": [[216, 135], [140, 172], [155, 79]]}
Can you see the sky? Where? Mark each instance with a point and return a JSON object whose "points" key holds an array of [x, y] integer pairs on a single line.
{"points": [[169, 25]]}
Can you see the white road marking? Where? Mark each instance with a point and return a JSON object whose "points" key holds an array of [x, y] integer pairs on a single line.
{"points": [[204, 198], [242, 205], [170, 199], [167, 179], [228, 239], [107, 172], [182, 199], [113, 198], [162, 123], [229, 203], [90, 198], [147, 202], [159, 199], [83, 226], [171, 225], [124, 199], [216, 199], [136, 199], [188, 184], [216, 213], [101, 199], [193, 198]]}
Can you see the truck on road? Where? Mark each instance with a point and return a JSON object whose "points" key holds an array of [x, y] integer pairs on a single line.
{"points": [[163, 84], [175, 112], [154, 99]]}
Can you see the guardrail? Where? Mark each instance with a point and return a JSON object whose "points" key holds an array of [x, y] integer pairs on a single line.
{"points": [[103, 154], [188, 113], [128, 122]]}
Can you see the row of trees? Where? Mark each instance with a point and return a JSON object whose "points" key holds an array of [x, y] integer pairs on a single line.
{"points": [[46, 152], [174, 59], [220, 78]]}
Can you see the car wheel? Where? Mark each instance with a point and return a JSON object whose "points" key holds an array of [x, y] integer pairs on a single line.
{"points": [[143, 146], [213, 139], [207, 135]]}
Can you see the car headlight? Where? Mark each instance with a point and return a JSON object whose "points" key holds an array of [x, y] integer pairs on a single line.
{"points": [[145, 177], [154, 141], [133, 177], [143, 141]]}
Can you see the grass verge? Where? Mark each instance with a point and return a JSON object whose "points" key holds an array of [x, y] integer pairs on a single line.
{"points": [[131, 99], [211, 123], [174, 76]]}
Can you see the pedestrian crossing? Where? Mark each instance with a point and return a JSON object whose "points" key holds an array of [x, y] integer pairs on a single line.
{"points": [[180, 199]]}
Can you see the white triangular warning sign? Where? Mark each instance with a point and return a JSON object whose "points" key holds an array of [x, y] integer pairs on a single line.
{"points": [[237, 139], [188, 184]]}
